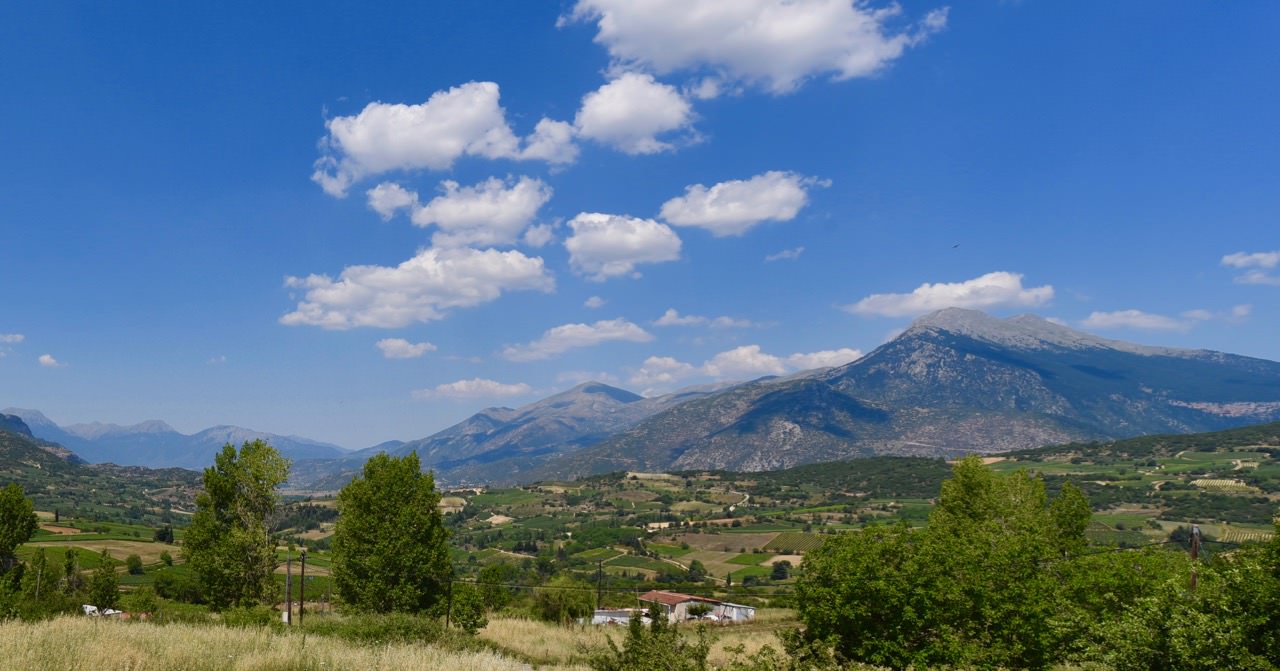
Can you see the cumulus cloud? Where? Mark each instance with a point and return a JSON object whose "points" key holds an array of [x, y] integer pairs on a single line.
{"points": [[11, 338], [662, 371], [48, 361], [630, 112], [1257, 267], [539, 236], [993, 290], [493, 212], [785, 255], [421, 289], [607, 245], [388, 198], [399, 348], [1133, 319], [594, 303], [572, 336], [747, 361], [673, 318], [737, 206], [773, 44], [473, 388], [465, 120]]}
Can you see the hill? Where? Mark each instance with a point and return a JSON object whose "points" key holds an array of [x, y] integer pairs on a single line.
{"points": [[956, 382], [155, 444]]}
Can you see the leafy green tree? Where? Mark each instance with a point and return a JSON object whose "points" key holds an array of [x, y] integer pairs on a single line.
{"points": [[697, 572], [104, 587], [564, 600], [468, 608], [70, 571], [166, 558], [781, 570], [18, 523], [390, 546], [227, 544], [1071, 514], [134, 564], [493, 580]]}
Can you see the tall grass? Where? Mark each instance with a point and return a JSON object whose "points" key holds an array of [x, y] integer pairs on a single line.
{"points": [[86, 644]]}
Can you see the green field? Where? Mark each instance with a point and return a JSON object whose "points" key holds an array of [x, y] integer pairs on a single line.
{"points": [[794, 542]]}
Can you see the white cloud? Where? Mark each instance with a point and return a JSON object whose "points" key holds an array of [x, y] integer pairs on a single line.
{"points": [[1256, 265], [493, 212], [993, 290], [736, 206], [1266, 260], [388, 198], [399, 348], [747, 361], [773, 44], [662, 371], [11, 338], [465, 120], [785, 255], [630, 112], [1134, 319], [1197, 315], [606, 245], [48, 361], [421, 289], [594, 303], [1241, 311], [824, 359], [552, 141], [217, 360], [673, 318], [572, 336], [743, 362], [473, 388], [539, 236]]}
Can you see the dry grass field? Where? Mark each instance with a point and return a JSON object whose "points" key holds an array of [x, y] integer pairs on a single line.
{"points": [[90, 644]]}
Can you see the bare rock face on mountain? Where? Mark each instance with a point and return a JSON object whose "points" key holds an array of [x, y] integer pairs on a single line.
{"points": [[958, 381]]}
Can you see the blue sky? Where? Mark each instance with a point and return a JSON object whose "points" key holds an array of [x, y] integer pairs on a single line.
{"points": [[358, 224]]}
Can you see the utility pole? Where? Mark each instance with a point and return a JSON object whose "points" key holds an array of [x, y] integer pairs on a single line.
{"points": [[288, 587], [1195, 553], [302, 585], [599, 578]]}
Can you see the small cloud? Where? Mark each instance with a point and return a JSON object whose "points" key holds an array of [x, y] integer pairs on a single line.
{"points": [[11, 338], [580, 376], [736, 206], [1241, 311], [785, 255], [993, 290], [747, 361], [473, 388], [571, 336], [673, 318], [48, 361], [539, 236], [399, 348], [606, 245], [1133, 319], [217, 360], [1198, 315], [594, 303], [1257, 267]]}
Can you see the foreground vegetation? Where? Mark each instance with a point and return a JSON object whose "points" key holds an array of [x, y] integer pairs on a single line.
{"points": [[83, 644]]}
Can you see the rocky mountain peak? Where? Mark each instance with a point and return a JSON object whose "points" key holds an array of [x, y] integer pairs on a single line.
{"points": [[1029, 332]]}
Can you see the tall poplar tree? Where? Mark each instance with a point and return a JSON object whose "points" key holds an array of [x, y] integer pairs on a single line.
{"points": [[228, 544], [390, 547]]}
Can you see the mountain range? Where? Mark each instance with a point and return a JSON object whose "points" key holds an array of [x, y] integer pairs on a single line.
{"points": [[155, 444], [957, 381]]}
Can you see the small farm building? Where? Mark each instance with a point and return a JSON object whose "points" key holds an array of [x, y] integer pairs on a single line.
{"points": [[676, 607]]}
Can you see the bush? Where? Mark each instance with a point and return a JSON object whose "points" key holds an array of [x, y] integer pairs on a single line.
{"points": [[134, 564], [378, 629], [251, 616]]}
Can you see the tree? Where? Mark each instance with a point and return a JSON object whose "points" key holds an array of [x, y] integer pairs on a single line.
{"points": [[781, 570], [227, 544], [390, 546], [17, 523], [104, 588], [564, 600], [134, 564]]}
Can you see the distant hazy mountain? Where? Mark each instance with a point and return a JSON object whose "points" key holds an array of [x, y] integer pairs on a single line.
{"points": [[155, 444], [499, 444], [957, 381]]}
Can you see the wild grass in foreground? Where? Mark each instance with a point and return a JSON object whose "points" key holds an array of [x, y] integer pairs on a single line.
{"points": [[84, 644]]}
